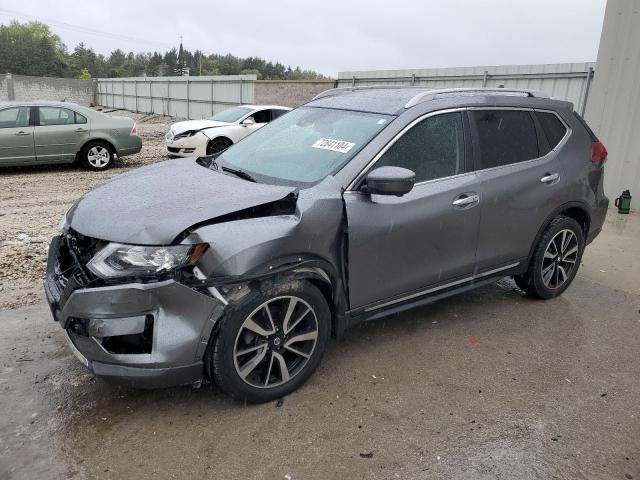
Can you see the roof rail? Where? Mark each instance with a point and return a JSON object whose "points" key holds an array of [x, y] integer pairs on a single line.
{"points": [[340, 90], [507, 92]]}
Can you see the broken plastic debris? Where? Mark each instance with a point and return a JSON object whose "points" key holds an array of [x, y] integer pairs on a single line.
{"points": [[473, 341], [23, 236]]}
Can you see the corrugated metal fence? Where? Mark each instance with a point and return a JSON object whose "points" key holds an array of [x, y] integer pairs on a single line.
{"points": [[188, 97], [566, 81]]}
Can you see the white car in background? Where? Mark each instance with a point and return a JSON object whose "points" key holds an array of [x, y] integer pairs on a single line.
{"points": [[194, 138]]}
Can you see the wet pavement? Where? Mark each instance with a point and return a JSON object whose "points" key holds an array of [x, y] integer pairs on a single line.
{"points": [[485, 385]]}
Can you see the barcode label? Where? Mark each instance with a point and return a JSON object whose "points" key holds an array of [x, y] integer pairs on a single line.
{"points": [[341, 146]]}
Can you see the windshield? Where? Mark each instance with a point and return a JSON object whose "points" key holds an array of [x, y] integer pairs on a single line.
{"points": [[231, 115], [305, 145]]}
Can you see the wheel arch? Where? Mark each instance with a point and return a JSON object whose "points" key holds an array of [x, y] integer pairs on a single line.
{"points": [[576, 210], [216, 137], [98, 139]]}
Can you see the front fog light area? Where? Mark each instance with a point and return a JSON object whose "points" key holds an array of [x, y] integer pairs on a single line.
{"points": [[119, 260], [123, 336]]}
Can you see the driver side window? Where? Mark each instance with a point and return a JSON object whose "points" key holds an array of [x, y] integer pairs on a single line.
{"points": [[262, 116], [433, 148]]}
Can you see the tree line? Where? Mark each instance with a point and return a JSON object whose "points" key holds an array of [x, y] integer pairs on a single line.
{"points": [[32, 49]]}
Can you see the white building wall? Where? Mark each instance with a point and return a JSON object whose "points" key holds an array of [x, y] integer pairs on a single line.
{"points": [[613, 110]]}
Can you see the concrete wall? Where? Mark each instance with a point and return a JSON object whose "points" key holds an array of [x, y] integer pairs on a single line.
{"points": [[614, 106], [289, 93], [20, 87]]}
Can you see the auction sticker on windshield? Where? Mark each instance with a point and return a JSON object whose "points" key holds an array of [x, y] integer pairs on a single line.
{"points": [[341, 146]]}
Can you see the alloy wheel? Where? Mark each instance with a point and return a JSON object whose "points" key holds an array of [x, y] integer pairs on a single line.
{"points": [[275, 342], [559, 259], [98, 156]]}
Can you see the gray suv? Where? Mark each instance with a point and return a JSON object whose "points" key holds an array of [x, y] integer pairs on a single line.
{"points": [[238, 267]]}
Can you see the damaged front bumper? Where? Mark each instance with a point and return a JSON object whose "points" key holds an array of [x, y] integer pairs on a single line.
{"points": [[138, 334]]}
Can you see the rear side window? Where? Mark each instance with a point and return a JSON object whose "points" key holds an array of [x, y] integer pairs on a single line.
{"points": [[505, 137], [56, 116], [553, 128], [433, 148]]}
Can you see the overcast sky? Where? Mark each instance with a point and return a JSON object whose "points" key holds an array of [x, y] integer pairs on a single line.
{"points": [[334, 35]]}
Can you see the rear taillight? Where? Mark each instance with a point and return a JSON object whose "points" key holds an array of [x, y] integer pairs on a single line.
{"points": [[134, 130], [598, 152]]}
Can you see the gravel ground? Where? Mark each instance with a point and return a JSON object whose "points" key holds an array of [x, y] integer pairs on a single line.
{"points": [[32, 200]]}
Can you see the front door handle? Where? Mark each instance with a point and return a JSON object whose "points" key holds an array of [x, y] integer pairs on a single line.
{"points": [[81, 129], [550, 177], [466, 200], [23, 133]]}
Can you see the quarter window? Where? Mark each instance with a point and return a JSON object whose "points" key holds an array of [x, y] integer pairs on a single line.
{"points": [[505, 137], [15, 117], [433, 148], [80, 118], [553, 128]]}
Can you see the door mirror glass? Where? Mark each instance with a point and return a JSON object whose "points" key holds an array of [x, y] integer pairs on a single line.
{"points": [[389, 181], [248, 121]]}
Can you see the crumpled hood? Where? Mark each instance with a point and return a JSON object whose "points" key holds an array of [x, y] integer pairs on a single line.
{"points": [[154, 204], [187, 125]]}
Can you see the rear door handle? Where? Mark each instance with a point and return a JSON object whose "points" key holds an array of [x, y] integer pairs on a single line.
{"points": [[466, 200], [23, 133], [550, 177]]}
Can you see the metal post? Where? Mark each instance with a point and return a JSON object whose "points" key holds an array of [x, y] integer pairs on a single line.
{"points": [[484, 78], [11, 93], [353, 81], [590, 74], [168, 97], [123, 105], [94, 91], [151, 97], [135, 91], [240, 90], [212, 97], [413, 79], [188, 97]]}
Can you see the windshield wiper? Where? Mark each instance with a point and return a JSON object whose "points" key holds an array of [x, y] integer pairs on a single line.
{"points": [[239, 173]]}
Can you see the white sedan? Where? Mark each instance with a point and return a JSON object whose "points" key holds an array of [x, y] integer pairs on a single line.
{"points": [[194, 138]]}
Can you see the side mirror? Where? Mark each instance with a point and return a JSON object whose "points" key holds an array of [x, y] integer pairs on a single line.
{"points": [[389, 181], [247, 122]]}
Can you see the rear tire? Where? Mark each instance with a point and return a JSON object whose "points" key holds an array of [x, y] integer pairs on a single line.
{"points": [[271, 342], [97, 155], [217, 145], [555, 260]]}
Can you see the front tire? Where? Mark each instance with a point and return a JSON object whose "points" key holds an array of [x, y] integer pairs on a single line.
{"points": [[97, 155], [555, 260], [271, 343]]}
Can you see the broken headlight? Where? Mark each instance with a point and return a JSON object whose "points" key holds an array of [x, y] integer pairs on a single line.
{"points": [[119, 260]]}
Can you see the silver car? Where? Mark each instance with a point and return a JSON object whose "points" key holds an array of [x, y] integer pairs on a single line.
{"points": [[39, 132], [238, 267]]}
